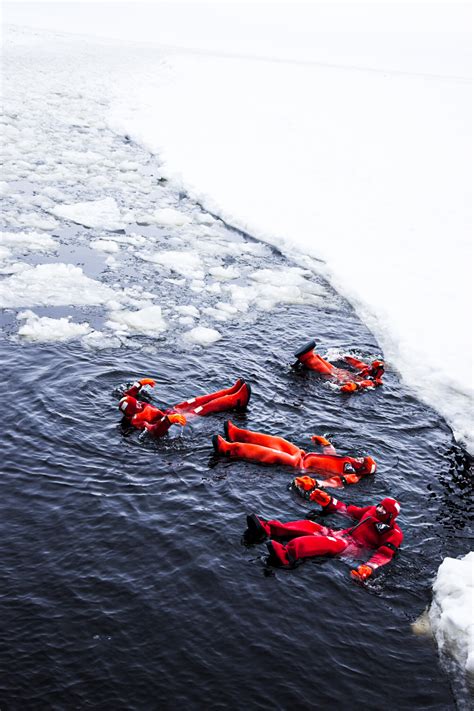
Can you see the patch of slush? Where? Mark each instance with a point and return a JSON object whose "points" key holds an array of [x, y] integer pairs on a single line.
{"points": [[33, 220], [44, 329], [202, 336], [81, 157], [4, 188], [52, 285], [451, 612], [104, 214]]}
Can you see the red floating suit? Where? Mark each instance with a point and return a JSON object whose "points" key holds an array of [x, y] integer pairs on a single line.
{"points": [[375, 529], [142, 415], [362, 376], [268, 449]]}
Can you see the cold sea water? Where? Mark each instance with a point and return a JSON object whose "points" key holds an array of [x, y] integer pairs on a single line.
{"points": [[125, 584]]}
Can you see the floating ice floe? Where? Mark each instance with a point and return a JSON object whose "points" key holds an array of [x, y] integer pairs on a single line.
{"points": [[187, 264], [43, 329], [146, 322], [188, 310], [103, 214], [96, 340], [222, 311], [202, 336], [105, 245], [52, 285], [28, 241], [224, 273], [38, 222], [451, 613], [167, 216]]}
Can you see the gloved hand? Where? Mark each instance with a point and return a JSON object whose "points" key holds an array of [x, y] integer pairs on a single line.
{"points": [[351, 478], [321, 497], [362, 572], [320, 440], [177, 419], [367, 384], [349, 387], [147, 381], [304, 485]]}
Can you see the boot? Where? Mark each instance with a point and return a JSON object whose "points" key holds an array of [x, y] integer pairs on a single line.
{"points": [[310, 346], [220, 445], [256, 530], [278, 556], [243, 397]]}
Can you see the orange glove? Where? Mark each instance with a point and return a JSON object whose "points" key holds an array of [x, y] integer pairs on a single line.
{"points": [[351, 478], [320, 440], [349, 388], [321, 497], [306, 483], [147, 381], [362, 572], [177, 419], [366, 384]]}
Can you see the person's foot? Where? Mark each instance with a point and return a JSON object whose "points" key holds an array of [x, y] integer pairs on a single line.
{"points": [[243, 396], [278, 556], [256, 531], [219, 445], [310, 346], [229, 430]]}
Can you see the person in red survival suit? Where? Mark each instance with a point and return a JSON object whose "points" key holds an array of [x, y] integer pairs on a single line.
{"points": [[362, 376], [375, 529], [259, 447], [142, 415]]}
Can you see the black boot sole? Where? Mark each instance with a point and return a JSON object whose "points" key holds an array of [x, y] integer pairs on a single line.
{"points": [[311, 345]]}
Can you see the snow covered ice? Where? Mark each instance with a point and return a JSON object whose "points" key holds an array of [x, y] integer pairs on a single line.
{"points": [[451, 612], [96, 213]]}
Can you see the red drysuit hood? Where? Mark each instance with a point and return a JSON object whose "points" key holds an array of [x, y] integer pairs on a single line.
{"points": [[392, 508]]}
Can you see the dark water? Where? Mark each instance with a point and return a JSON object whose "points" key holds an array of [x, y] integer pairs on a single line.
{"points": [[124, 581]]}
